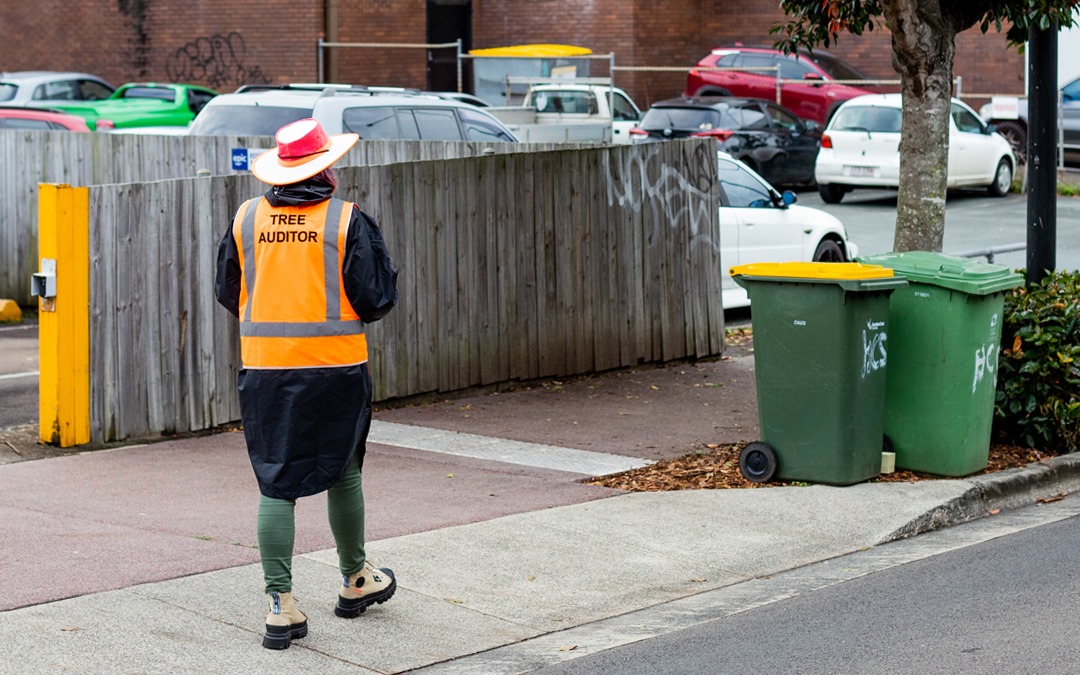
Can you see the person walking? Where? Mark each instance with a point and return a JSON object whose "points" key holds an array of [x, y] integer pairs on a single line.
{"points": [[303, 271]]}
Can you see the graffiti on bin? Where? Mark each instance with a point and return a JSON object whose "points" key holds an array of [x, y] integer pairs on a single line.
{"points": [[875, 356], [986, 357]]}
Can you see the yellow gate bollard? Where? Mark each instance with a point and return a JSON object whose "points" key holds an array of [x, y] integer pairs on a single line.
{"points": [[63, 287]]}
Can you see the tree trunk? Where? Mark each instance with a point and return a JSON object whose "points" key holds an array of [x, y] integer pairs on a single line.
{"points": [[924, 44]]}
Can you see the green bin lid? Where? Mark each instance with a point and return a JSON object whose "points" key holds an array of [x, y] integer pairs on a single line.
{"points": [[948, 271], [852, 276]]}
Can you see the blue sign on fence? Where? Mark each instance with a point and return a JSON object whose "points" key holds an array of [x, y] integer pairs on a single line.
{"points": [[240, 159]]}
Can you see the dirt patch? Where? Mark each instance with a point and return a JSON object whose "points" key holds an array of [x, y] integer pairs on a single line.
{"points": [[717, 467]]}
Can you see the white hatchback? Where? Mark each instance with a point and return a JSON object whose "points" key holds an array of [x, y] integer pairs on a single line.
{"points": [[758, 224], [860, 148]]}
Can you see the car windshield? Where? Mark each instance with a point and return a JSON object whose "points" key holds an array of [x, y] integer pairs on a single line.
{"points": [[697, 119], [7, 91], [866, 118], [837, 69], [739, 188], [244, 120]]}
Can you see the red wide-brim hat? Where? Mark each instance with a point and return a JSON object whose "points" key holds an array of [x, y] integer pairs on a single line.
{"points": [[303, 150]]}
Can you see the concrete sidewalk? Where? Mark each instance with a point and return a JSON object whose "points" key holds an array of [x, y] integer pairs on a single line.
{"points": [[475, 587], [142, 558]]}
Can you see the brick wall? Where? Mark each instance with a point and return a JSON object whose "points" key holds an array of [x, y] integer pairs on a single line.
{"points": [[225, 43]]}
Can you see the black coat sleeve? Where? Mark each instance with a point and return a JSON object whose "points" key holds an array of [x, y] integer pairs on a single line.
{"points": [[228, 279], [370, 275]]}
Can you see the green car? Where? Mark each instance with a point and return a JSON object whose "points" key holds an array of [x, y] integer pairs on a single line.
{"points": [[141, 104]]}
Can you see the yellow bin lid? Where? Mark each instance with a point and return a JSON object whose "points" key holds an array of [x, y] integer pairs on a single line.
{"points": [[538, 51], [813, 270]]}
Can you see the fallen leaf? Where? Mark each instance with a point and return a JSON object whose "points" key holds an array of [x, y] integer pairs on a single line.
{"points": [[698, 580], [455, 601], [712, 446], [449, 475], [531, 577], [1056, 498], [994, 512], [567, 648], [654, 387], [70, 629], [465, 407]]}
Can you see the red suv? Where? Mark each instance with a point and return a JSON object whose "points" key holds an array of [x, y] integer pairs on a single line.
{"points": [[37, 118], [813, 97]]}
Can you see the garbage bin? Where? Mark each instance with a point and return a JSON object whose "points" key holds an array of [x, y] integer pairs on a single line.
{"points": [[820, 351], [944, 339]]}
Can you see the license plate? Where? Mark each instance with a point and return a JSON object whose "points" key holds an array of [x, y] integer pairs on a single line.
{"points": [[861, 171]]}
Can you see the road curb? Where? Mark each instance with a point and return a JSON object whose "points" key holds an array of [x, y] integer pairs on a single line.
{"points": [[1008, 489]]}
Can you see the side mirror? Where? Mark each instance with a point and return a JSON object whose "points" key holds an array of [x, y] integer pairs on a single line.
{"points": [[788, 198], [990, 129], [811, 76]]}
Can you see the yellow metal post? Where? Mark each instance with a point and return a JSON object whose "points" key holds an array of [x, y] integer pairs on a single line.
{"points": [[64, 320]]}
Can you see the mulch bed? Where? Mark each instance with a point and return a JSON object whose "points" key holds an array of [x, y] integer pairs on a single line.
{"points": [[717, 467]]}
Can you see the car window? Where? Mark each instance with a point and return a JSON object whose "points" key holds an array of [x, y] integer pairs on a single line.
{"points": [[437, 124], [727, 61], [696, 119], [749, 116], [8, 91], [965, 120], [761, 63], [92, 90], [1071, 91], [782, 118], [197, 99], [63, 90], [158, 93], [480, 127], [623, 109], [375, 122], [738, 187], [582, 102], [794, 69], [834, 67], [867, 118], [21, 123], [244, 120]]}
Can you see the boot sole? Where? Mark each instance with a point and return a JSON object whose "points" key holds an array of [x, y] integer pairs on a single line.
{"points": [[280, 637], [350, 609]]}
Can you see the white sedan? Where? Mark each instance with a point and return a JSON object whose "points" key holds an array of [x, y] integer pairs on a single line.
{"points": [[860, 148], [758, 224]]}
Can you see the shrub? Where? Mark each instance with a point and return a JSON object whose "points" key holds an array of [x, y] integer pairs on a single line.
{"points": [[1038, 395]]}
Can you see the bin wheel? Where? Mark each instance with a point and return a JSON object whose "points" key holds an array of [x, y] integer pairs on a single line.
{"points": [[757, 462]]}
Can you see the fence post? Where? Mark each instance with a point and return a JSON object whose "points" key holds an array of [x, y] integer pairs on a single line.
{"points": [[64, 323]]}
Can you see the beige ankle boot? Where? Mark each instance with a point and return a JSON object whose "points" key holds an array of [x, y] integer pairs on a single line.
{"points": [[284, 623], [368, 586]]}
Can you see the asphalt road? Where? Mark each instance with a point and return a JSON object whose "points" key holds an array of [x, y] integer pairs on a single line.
{"points": [[1008, 605], [973, 221], [18, 373]]}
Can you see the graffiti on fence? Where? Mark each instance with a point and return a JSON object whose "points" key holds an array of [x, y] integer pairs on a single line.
{"points": [[680, 195], [216, 61]]}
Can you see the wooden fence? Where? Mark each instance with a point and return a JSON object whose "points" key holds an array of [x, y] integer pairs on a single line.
{"points": [[31, 157], [512, 267]]}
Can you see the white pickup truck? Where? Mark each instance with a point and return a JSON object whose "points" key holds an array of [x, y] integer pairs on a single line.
{"points": [[572, 111]]}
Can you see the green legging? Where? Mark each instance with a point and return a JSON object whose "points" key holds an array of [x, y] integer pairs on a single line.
{"points": [[277, 530]]}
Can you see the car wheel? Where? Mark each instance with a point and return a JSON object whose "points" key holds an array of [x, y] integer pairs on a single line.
{"points": [[1002, 179], [830, 194], [1016, 135], [829, 251]]}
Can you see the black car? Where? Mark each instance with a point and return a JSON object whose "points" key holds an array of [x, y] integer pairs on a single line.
{"points": [[768, 137]]}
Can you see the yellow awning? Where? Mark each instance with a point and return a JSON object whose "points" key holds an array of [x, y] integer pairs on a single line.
{"points": [[535, 51]]}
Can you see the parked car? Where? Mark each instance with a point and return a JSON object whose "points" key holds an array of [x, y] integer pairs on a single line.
{"points": [[18, 117], [754, 73], [1015, 130], [768, 138], [143, 104], [860, 148], [43, 87], [759, 224], [374, 113]]}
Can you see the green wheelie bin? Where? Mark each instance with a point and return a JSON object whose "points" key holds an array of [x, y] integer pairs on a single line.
{"points": [[944, 339], [820, 355]]}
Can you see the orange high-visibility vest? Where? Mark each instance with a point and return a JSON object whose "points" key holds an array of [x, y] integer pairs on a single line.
{"points": [[293, 309]]}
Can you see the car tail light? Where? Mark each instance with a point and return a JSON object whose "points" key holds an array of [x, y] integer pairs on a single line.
{"points": [[718, 134], [638, 131], [694, 72], [826, 142], [105, 124]]}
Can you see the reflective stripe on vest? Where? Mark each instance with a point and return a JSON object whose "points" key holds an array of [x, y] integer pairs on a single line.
{"points": [[293, 308]]}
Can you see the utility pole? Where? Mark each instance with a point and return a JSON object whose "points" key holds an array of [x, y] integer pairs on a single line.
{"points": [[1042, 152]]}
